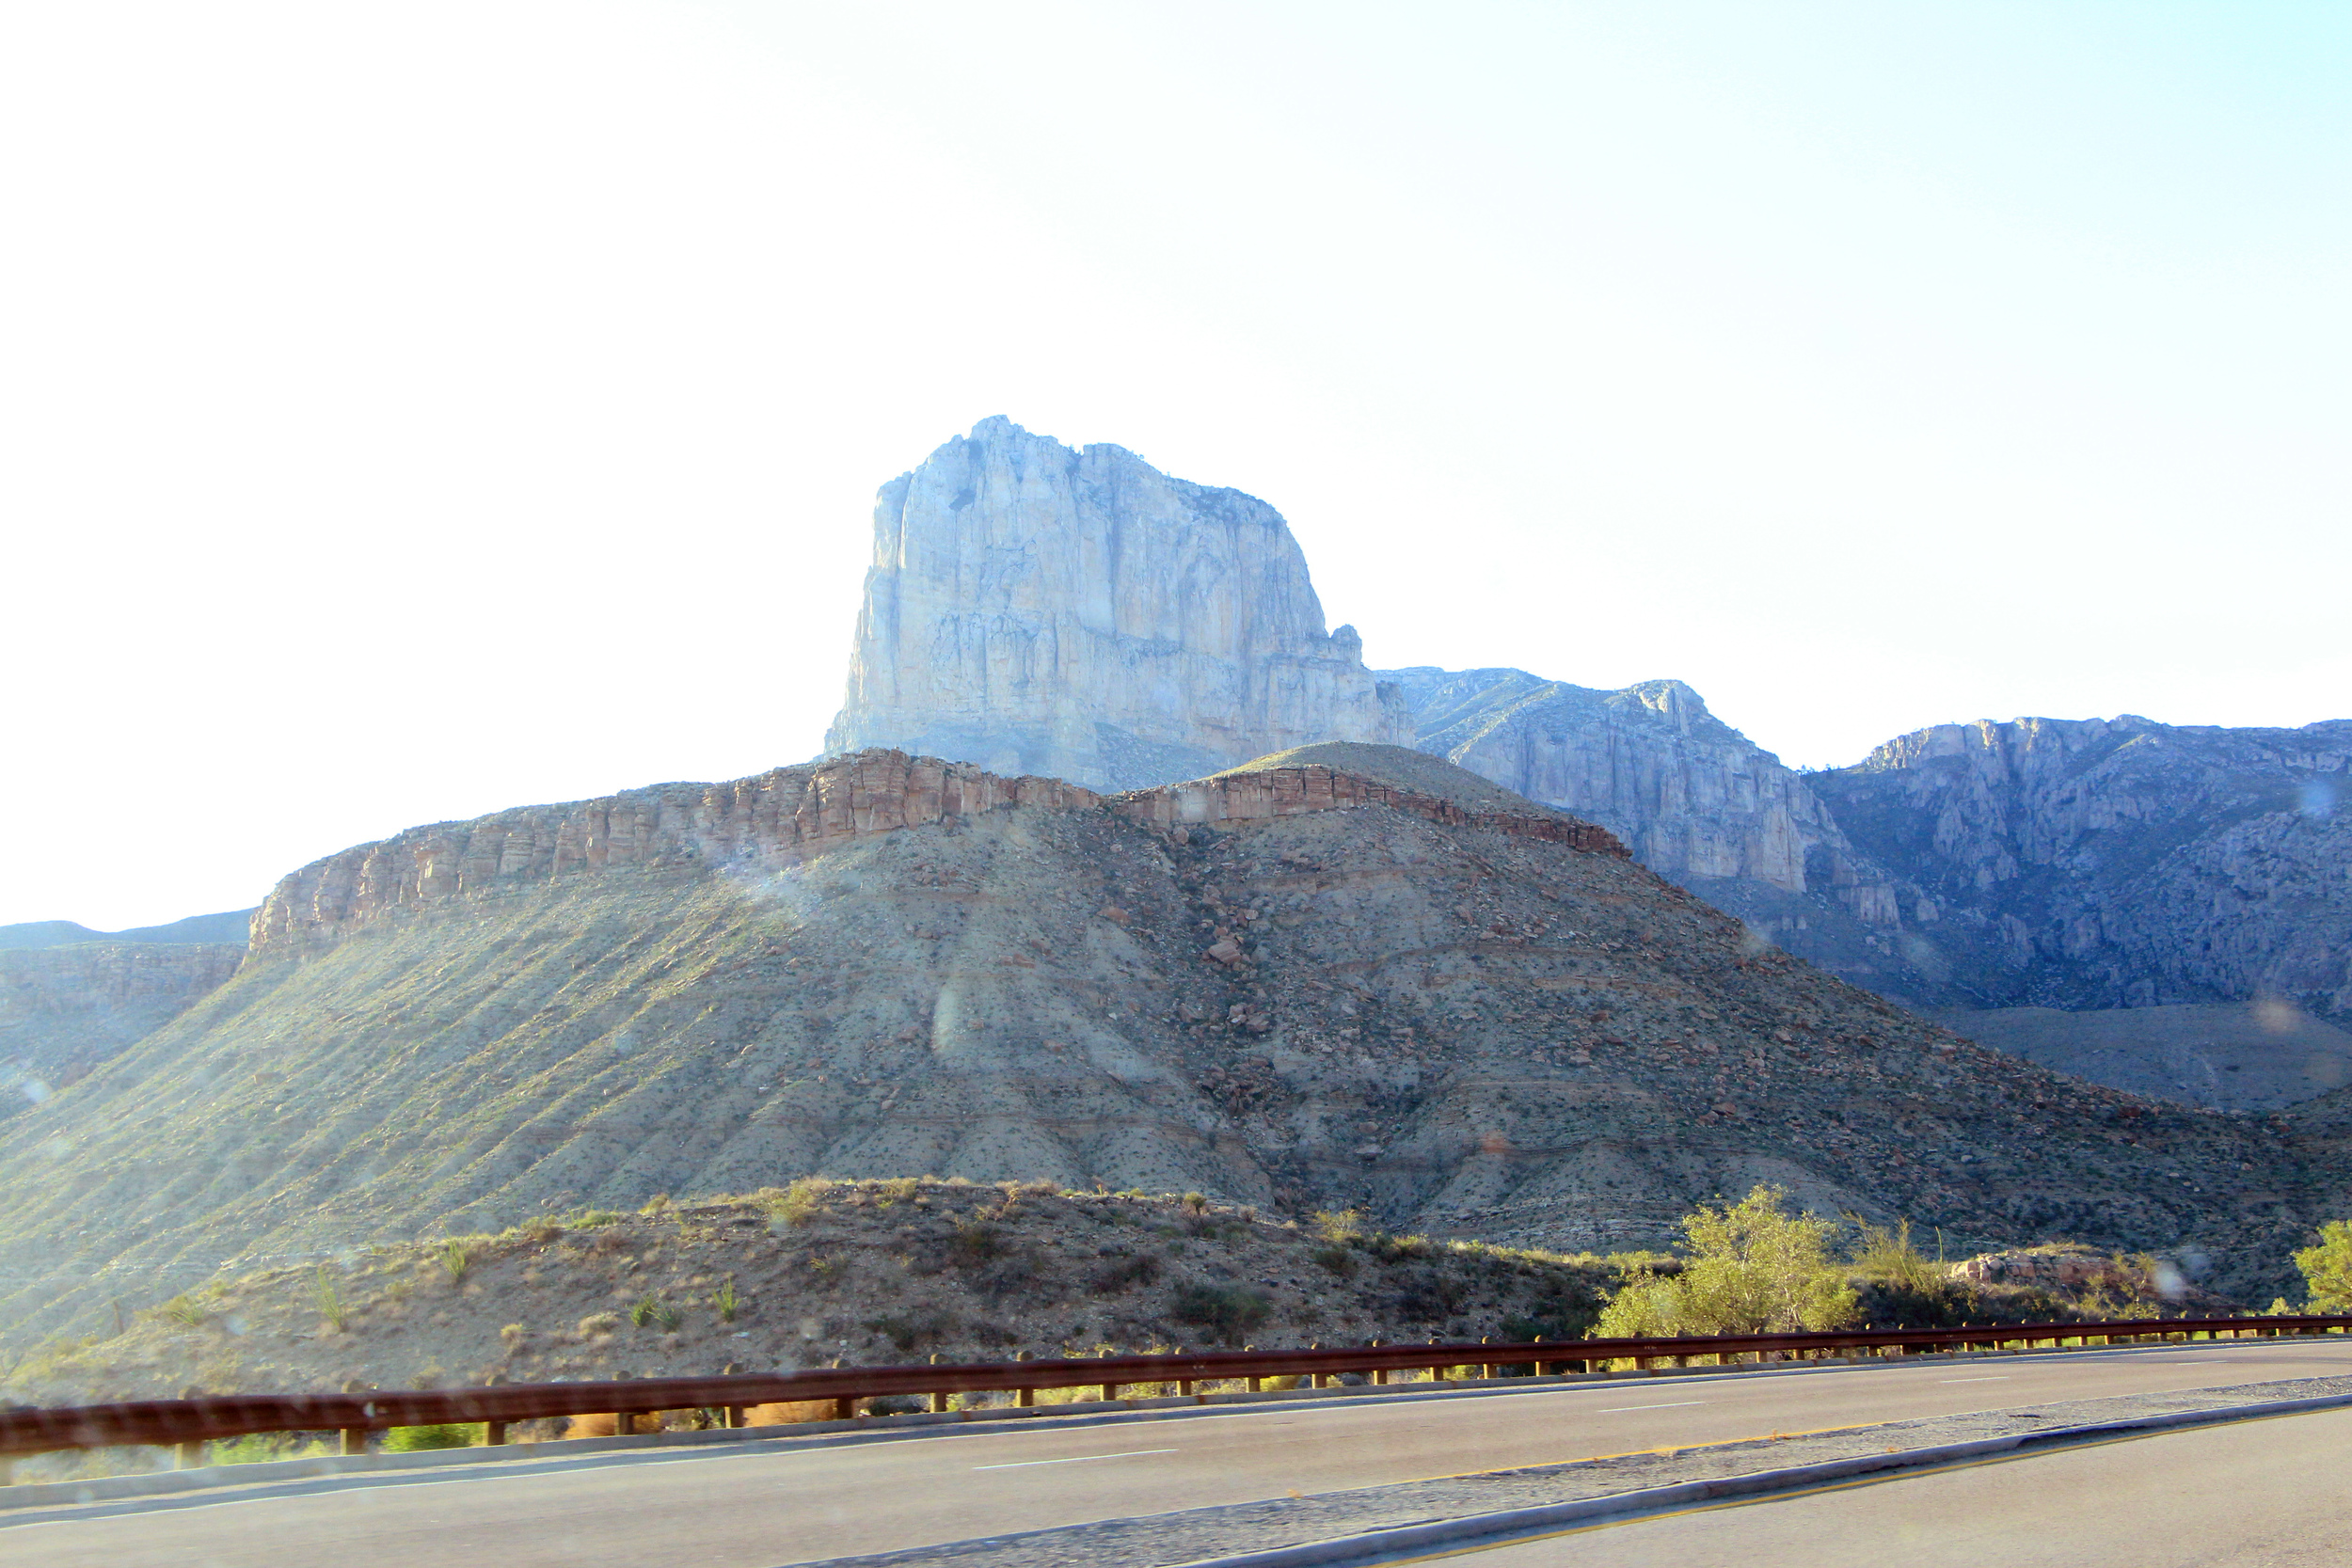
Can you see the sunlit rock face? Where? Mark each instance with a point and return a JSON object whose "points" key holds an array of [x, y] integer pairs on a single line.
{"points": [[1083, 616]]}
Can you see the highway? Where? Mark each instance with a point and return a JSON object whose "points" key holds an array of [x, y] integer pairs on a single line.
{"points": [[789, 1503], [2268, 1494]]}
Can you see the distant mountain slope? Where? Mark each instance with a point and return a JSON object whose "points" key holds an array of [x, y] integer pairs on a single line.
{"points": [[1694, 798], [1295, 987], [63, 1010], [2100, 864], [229, 926]]}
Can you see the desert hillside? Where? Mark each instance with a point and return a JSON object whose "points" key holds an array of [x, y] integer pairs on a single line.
{"points": [[1297, 989], [861, 1272]]}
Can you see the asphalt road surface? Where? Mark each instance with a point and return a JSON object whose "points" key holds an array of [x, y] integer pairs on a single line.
{"points": [[2267, 1494], [784, 1504]]}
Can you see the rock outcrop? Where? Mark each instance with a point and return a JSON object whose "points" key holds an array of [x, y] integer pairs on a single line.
{"points": [[1380, 986], [2104, 864], [1082, 615], [63, 1010], [1693, 799]]}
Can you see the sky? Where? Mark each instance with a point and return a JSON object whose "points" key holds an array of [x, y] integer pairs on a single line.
{"points": [[408, 411]]}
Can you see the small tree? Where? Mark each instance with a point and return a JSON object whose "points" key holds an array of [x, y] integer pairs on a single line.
{"points": [[2327, 1268], [1754, 1269]]}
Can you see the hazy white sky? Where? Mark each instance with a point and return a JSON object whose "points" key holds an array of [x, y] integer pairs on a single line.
{"points": [[411, 410]]}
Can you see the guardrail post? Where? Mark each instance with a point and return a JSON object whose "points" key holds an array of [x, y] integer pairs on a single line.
{"points": [[845, 1408], [493, 1434], [355, 1440], [191, 1455], [1025, 1397]]}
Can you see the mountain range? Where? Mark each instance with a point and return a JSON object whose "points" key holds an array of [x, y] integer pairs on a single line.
{"points": [[1121, 868]]}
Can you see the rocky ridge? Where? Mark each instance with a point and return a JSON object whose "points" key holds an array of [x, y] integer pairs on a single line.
{"points": [[2102, 863], [1329, 991], [1693, 798], [1082, 615]]}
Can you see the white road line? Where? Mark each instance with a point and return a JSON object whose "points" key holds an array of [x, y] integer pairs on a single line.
{"points": [[2001, 1378], [1672, 1405], [1077, 1459]]}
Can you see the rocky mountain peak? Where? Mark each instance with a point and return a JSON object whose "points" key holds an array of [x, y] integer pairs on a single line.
{"points": [[1080, 614]]}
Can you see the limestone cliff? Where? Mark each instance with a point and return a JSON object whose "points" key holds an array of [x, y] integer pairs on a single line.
{"points": [[1082, 615], [2100, 864], [1339, 979]]}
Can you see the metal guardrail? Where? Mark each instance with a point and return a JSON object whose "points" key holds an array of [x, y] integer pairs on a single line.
{"points": [[191, 1422]]}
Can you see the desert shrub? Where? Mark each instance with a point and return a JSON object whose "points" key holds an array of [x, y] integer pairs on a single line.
{"points": [[658, 1204], [1888, 1256], [1124, 1273], [652, 1311], [1897, 1286], [804, 1201], [514, 1334], [726, 1301], [1754, 1268], [589, 1219], [185, 1310], [451, 1435], [1426, 1294], [1559, 1319], [1228, 1312], [1338, 1226], [911, 1330], [328, 1300], [1195, 1203], [1337, 1258], [597, 1323], [539, 1231], [1394, 1249], [974, 1242], [900, 1189], [2327, 1268], [2124, 1287], [261, 1447], [458, 1258]]}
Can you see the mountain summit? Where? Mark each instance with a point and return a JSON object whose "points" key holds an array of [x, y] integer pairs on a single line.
{"points": [[1082, 616]]}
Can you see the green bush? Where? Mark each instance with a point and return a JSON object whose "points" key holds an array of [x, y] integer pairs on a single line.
{"points": [[1752, 1269], [652, 1311], [327, 1299], [261, 1447], [2327, 1268], [451, 1435], [1228, 1312]]}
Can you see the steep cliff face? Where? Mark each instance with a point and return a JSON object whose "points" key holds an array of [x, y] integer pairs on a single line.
{"points": [[2102, 863], [63, 1010], [1082, 615], [1300, 985], [1695, 799]]}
